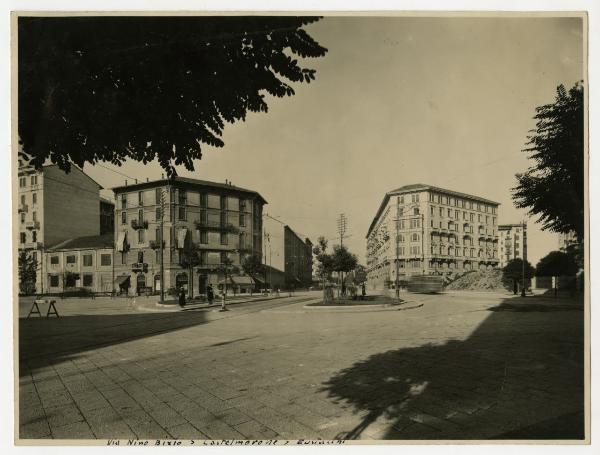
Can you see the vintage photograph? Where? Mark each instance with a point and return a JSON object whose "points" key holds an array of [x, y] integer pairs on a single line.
{"points": [[336, 228]]}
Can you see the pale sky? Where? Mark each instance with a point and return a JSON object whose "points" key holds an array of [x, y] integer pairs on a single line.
{"points": [[441, 101]]}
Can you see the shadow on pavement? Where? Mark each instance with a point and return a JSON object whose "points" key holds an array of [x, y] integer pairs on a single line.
{"points": [[519, 375], [50, 340]]}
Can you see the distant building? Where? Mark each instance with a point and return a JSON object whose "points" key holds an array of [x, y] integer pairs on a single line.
{"points": [[107, 216], [566, 240], [422, 229], [288, 252], [84, 262], [213, 222], [513, 242], [54, 206]]}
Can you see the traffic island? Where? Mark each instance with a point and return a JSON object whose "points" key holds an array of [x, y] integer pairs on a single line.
{"points": [[369, 303]]}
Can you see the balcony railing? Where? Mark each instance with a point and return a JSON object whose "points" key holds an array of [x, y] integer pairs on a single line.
{"points": [[23, 208], [217, 225], [136, 224]]}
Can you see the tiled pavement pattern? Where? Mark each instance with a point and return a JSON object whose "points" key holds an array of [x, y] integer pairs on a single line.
{"points": [[463, 366]]}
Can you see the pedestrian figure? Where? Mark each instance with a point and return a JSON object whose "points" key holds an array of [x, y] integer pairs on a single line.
{"points": [[181, 297], [363, 291], [210, 295]]}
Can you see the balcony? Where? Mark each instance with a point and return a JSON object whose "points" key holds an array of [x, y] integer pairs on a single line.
{"points": [[135, 224], [139, 267], [32, 224], [23, 208], [155, 245], [32, 245]]}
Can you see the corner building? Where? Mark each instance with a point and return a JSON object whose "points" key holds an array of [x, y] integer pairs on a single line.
{"points": [[421, 229], [214, 222]]}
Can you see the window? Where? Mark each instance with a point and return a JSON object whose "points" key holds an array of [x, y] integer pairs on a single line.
{"points": [[223, 219], [472, 217], [223, 202], [451, 201], [123, 258], [141, 236], [123, 201], [401, 238], [53, 281], [242, 205], [449, 213], [140, 198], [22, 199], [34, 216], [34, 236], [464, 215], [415, 250], [430, 197], [242, 219], [34, 198], [123, 217], [158, 195], [54, 260], [158, 213], [87, 260], [416, 211], [401, 200], [400, 251], [182, 197], [415, 237], [140, 216], [203, 257], [415, 223], [72, 259], [223, 238], [140, 257], [457, 214], [223, 257], [203, 200], [22, 217], [88, 279], [414, 197], [204, 237], [432, 210], [105, 259], [441, 211], [33, 179], [22, 182], [181, 213], [242, 241]]}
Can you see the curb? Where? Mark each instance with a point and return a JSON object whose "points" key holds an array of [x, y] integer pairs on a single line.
{"points": [[174, 308], [364, 308]]}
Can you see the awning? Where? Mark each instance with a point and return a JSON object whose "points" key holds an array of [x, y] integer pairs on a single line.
{"points": [[121, 279], [121, 241], [181, 234]]}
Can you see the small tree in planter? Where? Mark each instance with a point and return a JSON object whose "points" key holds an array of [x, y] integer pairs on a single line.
{"points": [[324, 266], [343, 261]]}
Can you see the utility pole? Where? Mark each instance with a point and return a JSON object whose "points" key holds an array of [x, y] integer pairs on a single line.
{"points": [[161, 246], [523, 258], [341, 226]]}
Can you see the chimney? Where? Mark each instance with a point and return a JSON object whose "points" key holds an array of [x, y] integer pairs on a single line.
{"points": [[135, 180], [147, 179], [125, 182]]}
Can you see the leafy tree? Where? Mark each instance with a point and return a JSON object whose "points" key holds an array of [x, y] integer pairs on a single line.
{"points": [[553, 188], [512, 273], [189, 258], [324, 262], [27, 273], [360, 274], [114, 88], [252, 265], [343, 261], [555, 264], [227, 269]]}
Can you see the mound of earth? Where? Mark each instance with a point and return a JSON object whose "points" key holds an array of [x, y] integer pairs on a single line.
{"points": [[486, 280]]}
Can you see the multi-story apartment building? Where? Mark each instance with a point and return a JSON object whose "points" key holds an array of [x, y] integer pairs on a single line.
{"points": [[513, 242], [54, 206], [422, 229], [107, 216], [204, 227], [84, 262], [566, 240], [288, 252]]}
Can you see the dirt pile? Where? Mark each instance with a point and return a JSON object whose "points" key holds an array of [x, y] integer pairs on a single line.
{"points": [[488, 280]]}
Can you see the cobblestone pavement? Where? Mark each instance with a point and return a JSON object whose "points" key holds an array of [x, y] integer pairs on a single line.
{"points": [[462, 366]]}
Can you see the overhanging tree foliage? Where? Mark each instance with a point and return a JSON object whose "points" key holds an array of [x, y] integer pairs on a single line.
{"points": [[556, 263], [553, 188], [114, 88]]}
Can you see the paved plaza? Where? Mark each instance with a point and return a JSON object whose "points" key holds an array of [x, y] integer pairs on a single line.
{"points": [[461, 366]]}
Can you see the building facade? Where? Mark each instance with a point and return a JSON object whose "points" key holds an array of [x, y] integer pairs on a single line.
{"points": [[54, 206], [513, 242], [422, 229], [85, 262], [287, 252], [567, 240], [206, 229], [107, 216]]}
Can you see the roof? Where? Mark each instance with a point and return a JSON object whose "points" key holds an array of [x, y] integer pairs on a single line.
{"points": [[28, 169], [304, 240], [86, 243], [186, 181], [423, 187]]}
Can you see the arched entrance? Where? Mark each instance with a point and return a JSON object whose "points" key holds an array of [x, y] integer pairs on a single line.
{"points": [[141, 283]]}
